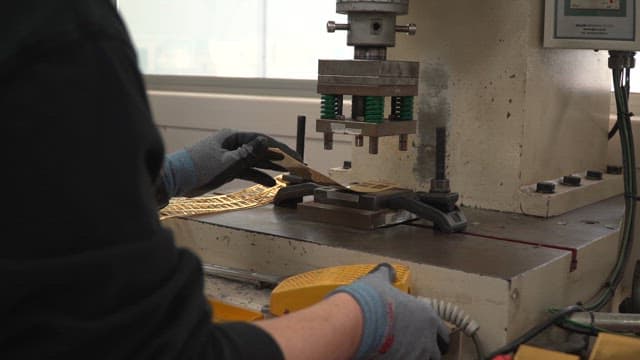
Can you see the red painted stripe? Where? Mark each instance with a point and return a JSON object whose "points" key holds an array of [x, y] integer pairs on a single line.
{"points": [[574, 251]]}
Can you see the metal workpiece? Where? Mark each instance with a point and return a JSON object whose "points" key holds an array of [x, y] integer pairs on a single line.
{"points": [[398, 7], [374, 201], [356, 218], [628, 323]]}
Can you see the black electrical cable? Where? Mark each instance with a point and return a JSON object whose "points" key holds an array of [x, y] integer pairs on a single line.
{"points": [[576, 329], [627, 91], [476, 344], [513, 346], [613, 130], [621, 63]]}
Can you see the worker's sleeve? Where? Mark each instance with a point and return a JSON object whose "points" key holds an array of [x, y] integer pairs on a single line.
{"points": [[86, 269]]}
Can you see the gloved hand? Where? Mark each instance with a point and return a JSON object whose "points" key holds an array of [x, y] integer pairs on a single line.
{"points": [[396, 325], [218, 159]]}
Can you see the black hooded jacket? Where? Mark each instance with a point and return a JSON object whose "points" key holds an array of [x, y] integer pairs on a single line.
{"points": [[86, 269]]}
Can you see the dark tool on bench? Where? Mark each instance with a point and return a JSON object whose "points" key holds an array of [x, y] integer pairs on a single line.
{"points": [[374, 210]]}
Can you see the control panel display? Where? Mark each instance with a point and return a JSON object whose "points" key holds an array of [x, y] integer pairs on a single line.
{"points": [[595, 4], [592, 24]]}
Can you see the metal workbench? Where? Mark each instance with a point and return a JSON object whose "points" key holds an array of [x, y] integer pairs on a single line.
{"points": [[505, 269]]}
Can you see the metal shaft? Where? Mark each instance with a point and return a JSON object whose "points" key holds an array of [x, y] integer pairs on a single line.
{"points": [[609, 321], [300, 135], [259, 280], [441, 151]]}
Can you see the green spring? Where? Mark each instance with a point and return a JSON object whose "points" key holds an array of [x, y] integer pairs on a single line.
{"points": [[374, 109], [328, 108], [406, 108]]}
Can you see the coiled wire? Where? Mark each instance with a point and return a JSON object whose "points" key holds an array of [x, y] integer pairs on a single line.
{"points": [[453, 314]]}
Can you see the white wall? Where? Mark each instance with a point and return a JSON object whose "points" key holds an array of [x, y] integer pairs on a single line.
{"points": [[185, 117]]}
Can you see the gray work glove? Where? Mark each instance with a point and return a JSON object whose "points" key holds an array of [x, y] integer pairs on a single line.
{"points": [[218, 159], [396, 325]]}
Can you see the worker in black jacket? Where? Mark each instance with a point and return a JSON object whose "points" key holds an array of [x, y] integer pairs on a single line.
{"points": [[86, 269]]}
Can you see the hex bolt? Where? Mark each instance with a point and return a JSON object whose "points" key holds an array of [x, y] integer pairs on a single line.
{"points": [[594, 175], [346, 165], [328, 141], [545, 187], [441, 152], [440, 186], [373, 145], [300, 135], [614, 169], [410, 29], [403, 142], [332, 26], [571, 180]]}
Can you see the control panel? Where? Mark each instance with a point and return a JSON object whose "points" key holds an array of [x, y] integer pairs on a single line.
{"points": [[592, 24]]}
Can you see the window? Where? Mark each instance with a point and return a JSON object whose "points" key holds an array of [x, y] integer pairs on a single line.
{"points": [[240, 38]]}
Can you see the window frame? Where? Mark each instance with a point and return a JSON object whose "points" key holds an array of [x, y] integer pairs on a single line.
{"points": [[232, 85]]}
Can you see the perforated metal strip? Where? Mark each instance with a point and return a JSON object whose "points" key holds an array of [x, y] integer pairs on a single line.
{"points": [[248, 198]]}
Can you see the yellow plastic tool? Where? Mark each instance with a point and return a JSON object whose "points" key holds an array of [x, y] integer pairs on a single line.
{"points": [[303, 290], [615, 347], [225, 312], [527, 352]]}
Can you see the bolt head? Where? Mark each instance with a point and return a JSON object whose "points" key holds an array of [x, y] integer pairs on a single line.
{"points": [[413, 29], [440, 186], [614, 169], [331, 26], [571, 180], [545, 187], [594, 175]]}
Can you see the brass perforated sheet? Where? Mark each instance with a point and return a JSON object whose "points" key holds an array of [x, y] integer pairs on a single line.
{"points": [[248, 198]]}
